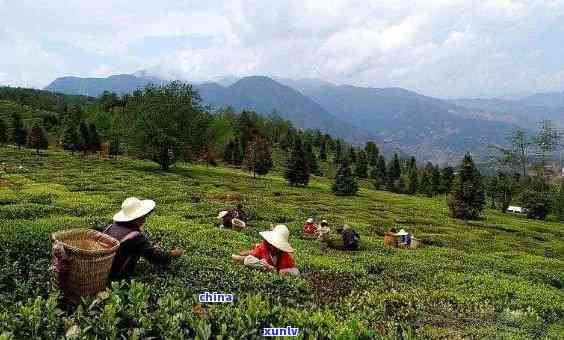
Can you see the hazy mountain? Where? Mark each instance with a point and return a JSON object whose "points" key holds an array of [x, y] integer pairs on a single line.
{"points": [[525, 112], [264, 95], [120, 84], [428, 127], [548, 99]]}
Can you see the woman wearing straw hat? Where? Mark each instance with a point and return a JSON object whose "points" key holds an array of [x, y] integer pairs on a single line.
{"points": [[273, 253], [128, 228], [405, 238]]}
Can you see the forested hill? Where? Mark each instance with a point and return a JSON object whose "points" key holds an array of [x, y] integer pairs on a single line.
{"points": [[264, 95], [260, 94]]}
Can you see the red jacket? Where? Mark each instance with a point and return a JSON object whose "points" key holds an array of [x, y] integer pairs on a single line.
{"points": [[285, 260], [310, 228]]}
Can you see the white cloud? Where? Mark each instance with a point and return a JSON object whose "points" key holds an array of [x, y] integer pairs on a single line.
{"points": [[438, 47]]}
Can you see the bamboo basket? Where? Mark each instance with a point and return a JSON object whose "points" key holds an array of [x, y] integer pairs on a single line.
{"points": [[390, 240], [82, 260]]}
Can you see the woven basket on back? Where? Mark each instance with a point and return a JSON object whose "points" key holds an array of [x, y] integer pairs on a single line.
{"points": [[390, 240], [82, 260]]}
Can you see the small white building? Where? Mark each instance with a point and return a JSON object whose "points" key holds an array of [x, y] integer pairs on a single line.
{"points": [[516, 210]]}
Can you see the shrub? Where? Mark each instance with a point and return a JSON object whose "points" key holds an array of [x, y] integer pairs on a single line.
{"points": [[537, 203]]}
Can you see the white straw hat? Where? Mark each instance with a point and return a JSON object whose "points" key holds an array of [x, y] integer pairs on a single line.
{"points": [[401, 233], [324, 222], [222, 214], [309, 220], [278, 237], [133, 208]]}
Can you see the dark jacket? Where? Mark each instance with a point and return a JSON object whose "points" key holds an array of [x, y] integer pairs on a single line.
{"points": [[134, 245], [351, 239]]}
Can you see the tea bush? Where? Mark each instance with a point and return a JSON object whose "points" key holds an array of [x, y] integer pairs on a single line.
{"points": [[498, 277]]}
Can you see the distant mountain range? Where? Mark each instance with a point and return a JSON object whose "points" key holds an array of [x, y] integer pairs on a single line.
{"points": [[429, 128]]}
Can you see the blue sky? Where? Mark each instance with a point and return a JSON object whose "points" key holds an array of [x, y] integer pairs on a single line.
{"points": [[437, 47]]}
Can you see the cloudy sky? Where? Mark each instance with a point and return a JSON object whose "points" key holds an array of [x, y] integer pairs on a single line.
{"points": [[437, 47]]}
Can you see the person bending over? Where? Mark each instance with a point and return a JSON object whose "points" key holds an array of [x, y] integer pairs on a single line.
{"points": [[274, 253], [128, 229]]}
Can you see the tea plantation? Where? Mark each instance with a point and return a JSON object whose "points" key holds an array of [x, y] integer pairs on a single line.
{"points": [[499, 277]]}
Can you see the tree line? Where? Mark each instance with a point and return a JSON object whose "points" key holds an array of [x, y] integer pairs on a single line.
{"points": [[169, 123]]}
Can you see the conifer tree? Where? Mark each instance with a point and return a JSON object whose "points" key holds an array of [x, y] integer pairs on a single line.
{"points": [[345, 183], [504, 191], [425, 183], [84, 137], [37, 139], [352, 155], [258, 156], [237, 155], [361, 167], [447, 176], [297, 170], [413, 184], [394, 171], [323, 149], [467, 199], [94, 143], [19, 133], [3, 132], [412, 163], [379, 173], [71, 138], [311, 159], [115, 147], [435, 180], [401, 185], [372, 153], [228, 152], [491, 190]]}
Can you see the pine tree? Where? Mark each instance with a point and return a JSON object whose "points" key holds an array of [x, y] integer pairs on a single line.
{"points": [[337, 151], [297, 169], [237, 155], [447, 176], [412, 163], [94, 143], [38, 139], [372, 153], [394, 171], [491, 190], [258, 156], [504, 192], [413, 184], [379, 173], [19, 133], [425, 183], [3, 132], [311, 159], [400, 185], [84, 137], [115, 147], [323, 150], [467, 199], [71, 138], [228, 152], [352, 155], [345, 183], [435, 180], [361, 168]]}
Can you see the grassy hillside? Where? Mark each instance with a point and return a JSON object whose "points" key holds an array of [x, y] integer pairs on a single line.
{"points": [[501, 276]]}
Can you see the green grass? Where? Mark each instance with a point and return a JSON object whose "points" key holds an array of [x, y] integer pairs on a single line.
{"points": [[501, 276]]}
